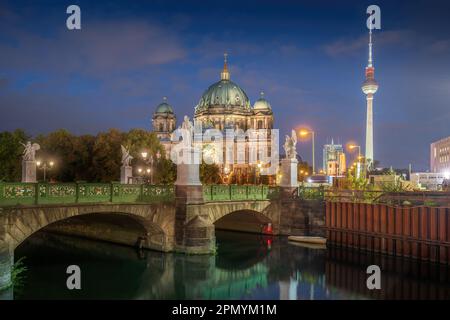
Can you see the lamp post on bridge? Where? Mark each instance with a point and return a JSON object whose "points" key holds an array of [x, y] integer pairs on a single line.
{"points": [[150, 161], [304, 133], [45, 165]]}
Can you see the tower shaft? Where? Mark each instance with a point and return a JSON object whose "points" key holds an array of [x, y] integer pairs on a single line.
{"points": [[369, 128]]}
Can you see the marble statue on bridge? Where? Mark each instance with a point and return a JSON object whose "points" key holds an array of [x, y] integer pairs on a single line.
{"points": [[126, 171], [126, 156], [29, 161], [290, 146], [29, 153], [189, 134]]}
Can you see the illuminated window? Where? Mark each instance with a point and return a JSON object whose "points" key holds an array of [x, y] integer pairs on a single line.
{"points": [[260, 124]]}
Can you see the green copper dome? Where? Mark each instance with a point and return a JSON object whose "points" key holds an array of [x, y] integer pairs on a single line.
{"points": [[224, 93], [164, 107], [262, 103]]}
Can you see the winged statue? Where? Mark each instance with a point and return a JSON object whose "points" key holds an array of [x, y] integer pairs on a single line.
{"points": [[290, 145], [126, 156], [29, 152]]}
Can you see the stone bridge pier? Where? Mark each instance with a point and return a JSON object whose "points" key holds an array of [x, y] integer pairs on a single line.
{"points": [[6, 265], [193, 232]]}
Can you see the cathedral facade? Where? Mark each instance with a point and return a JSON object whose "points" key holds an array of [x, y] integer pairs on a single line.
{"points": [[225, 105]]}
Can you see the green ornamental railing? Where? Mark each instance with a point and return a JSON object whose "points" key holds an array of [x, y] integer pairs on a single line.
{"points": [[13, 194], [66, 193], [310, 193], [238, 192]]}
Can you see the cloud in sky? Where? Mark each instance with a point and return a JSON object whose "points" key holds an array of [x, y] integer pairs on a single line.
{"points": [[347, 46], [100, 49]]}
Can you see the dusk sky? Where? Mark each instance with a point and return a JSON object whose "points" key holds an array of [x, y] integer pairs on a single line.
{"points": [[307, 56]]}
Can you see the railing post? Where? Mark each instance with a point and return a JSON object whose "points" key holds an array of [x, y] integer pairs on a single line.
{"points": [[77, 192], [36, 191], [111, 190]]}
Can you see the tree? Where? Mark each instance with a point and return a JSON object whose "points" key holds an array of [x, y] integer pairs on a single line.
{"points": [[86, 157], [106, 156], [138, 140], [304, 167], [83, 153], [58, 146], [166, 172], [209, 173], [11, 154]]}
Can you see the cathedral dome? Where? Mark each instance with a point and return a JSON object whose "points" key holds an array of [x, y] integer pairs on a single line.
{"points": [[262, 104], [224, 93], [164, 107]]}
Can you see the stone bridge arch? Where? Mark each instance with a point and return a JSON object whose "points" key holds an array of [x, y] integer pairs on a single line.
{"points": [[156, 220], [214, 212]]}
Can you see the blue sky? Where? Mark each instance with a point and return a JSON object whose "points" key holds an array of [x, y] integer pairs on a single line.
{"points": [[308, 57]]}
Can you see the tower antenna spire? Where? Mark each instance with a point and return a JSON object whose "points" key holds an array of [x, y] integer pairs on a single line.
{"points": [[370, 64]]}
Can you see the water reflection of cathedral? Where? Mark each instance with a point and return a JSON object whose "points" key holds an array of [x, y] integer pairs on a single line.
{"points": [[224, 105]]}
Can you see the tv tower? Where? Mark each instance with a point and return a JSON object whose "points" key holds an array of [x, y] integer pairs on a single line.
{"points": [[369, 87]]}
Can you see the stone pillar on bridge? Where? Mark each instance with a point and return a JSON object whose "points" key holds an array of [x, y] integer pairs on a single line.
{"points": [[29, 171], [6, 265], [289, 180], [193, 233], [288, 185], [126, 173], [188, 187]]}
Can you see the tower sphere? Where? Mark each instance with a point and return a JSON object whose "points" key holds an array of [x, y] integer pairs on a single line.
{"points": [[370, 86]]}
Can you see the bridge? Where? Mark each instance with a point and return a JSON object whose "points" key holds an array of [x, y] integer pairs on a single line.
{"points": [[159, 217]]}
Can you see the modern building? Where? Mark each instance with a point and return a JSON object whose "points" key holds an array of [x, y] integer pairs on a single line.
{"points": [[334, 162], [428, 180], [440, 156], [225, 105], [369, 87]]}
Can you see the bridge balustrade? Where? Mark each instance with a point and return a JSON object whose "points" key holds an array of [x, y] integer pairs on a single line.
{"points": [[12, 194], [238, 192]]}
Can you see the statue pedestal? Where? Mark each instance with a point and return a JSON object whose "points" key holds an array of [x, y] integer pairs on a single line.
{"points": [[126, 172], [194, 234], [188, 171], [188, 186], [28, 171], [289, 173]]}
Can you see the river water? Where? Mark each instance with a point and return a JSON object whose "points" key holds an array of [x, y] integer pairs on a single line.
{"points": [[246, 266]]}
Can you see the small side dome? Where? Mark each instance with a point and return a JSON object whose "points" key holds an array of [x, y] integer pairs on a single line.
{"points": [[262, 103], [164, 107]]}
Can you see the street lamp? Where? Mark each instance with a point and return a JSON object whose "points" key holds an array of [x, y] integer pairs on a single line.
{"points": [[352, 146], [143, 172], [358, 164], [45, 166], [304, 133], [149, 161]]}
